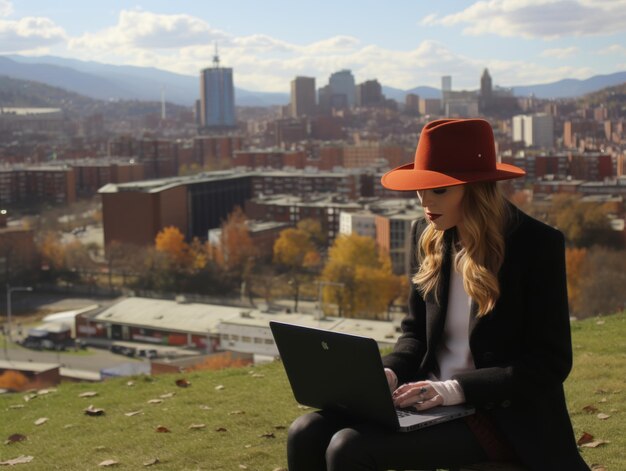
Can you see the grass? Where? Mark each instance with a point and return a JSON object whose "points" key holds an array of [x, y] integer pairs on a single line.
{"points": [[255, 407]]}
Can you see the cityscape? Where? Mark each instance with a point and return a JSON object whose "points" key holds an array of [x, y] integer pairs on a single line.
{"points": [[153, 238]]}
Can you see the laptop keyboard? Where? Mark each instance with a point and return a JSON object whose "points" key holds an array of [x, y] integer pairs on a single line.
{"points": [[405, 412]]}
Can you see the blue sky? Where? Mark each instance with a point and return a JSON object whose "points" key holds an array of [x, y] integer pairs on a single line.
{"points": [[401, 43]]}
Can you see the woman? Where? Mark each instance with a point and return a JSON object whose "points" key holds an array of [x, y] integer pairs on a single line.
{"points": [[488, 325]]}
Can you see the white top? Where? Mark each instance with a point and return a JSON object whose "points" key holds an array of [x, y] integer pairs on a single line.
{"points": [[454, 355]]}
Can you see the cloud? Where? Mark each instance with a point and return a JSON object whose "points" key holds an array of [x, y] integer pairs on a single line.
{"points": [[545, 19], [616, 49], [560, 53], [6, 8], [29, 33], [146, 30]]}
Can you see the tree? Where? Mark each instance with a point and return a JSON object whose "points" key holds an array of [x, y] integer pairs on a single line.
{"points": [[583, 224], [367, 285], [575, 261], [171, 241], [295, 251], [236, 251], [602, 287]]}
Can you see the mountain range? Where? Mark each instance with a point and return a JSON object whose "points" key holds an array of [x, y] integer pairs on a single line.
{"points": [[114, 82]]}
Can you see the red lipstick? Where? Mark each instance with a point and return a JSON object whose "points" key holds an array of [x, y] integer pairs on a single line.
{"points": [[432, 216]]}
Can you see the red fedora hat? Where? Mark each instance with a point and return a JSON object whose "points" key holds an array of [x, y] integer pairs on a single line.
{"points": [[451, 152]]}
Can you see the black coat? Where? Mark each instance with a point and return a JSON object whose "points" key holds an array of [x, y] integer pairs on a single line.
{"points": [[522, 348]]}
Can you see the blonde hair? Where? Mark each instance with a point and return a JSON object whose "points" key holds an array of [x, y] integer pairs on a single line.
{"points": [[485, 214]]}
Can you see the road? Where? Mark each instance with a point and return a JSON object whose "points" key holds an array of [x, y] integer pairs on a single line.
{"points": [[96, 360]]}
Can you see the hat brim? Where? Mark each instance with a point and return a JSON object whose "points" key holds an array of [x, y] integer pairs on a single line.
{"points": [[406, 178]]}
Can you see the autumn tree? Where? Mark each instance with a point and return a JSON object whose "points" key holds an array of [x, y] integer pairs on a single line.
{"points": [[235, 254], [361, 277], [575, 261], [602, 287], [583, 224], [296, 252], [171, 241]]}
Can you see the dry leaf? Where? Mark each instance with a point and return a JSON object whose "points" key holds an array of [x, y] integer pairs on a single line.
{"points": [[88, 394], [197, 426], [151, 462], [130, 383], [219, 387], [590, 409], [303, 407], [100, 448], [602, 416], [43, 392], [30, 397], [155, 401], [258, 375], [69, 426], [221, 429], [182, 383], [205, 407], [41, 421], [585, 438], [109, 463], [280, 469], [247, 446], [600, 323], [243, 466], [236, 412], [162, 429], [603, 400], [167, 396], [16, 406], [130, 414], [594, 444], [598, 467], [267, 435], [16, 437], [93, 411], [22, 459]]}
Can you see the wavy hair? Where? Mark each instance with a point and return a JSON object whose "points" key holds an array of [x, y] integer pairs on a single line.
{"points": [[485, 215]]}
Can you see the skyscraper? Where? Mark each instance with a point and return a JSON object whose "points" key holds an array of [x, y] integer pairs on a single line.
{"points": [[446, 84], [217, 97], [486, 87], [342, 83], [303, 96]]}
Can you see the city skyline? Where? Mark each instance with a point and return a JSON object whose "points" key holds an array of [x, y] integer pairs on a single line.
{"points": [[408, 44]]}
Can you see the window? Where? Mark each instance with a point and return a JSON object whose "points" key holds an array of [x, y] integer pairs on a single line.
{"points": [[269, 341], [234, 337], [247, 339], [225, 336], [258, 340]]}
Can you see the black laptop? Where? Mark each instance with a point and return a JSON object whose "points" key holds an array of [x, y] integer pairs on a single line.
{"points": [[344, 372]]}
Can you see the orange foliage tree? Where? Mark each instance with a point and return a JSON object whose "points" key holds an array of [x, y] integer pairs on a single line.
{"points": [[171, 241], [574, 260], [295, 251], [235, 252], [364, 282]]}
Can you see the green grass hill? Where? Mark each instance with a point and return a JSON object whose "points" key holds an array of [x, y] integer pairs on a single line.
{"points": [[237, 419]]}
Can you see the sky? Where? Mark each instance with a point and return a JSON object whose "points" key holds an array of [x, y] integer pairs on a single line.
{"points": [[403, 44]]}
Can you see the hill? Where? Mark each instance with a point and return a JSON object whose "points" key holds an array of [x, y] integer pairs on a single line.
{"points": [[27, 93], [242, 414], [106, 81]]}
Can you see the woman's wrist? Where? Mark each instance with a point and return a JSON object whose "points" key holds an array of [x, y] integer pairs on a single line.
{"points": [[450, 391]]}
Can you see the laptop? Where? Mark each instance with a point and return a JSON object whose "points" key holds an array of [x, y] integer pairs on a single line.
{"points": [[344, 372]]}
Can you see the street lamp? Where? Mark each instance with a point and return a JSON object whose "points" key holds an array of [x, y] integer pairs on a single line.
{"points": [[9, 291]]}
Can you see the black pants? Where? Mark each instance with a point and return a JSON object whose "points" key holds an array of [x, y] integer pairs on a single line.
{"points": [[323, 441]]}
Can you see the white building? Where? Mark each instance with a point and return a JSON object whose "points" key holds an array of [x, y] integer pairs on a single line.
{"points": [[362, 223], [535, 130]]}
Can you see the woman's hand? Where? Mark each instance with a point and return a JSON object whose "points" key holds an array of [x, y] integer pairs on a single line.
{"points": [[420, 395], [392, 379]]}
